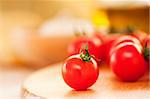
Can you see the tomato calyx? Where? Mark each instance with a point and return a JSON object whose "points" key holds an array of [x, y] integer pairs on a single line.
{"points": [[85, 55], [130, 30], [146, 52]]}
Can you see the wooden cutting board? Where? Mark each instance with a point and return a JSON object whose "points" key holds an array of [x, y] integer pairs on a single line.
{"points": [[48, 83]]}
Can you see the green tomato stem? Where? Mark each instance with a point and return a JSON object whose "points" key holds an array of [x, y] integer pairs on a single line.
{"points": [[86, 56]]}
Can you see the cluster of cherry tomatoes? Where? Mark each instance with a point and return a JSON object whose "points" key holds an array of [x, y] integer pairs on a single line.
{"points": [[127, 55]]}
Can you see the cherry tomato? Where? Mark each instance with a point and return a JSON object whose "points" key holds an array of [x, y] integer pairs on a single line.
{"points": [[80, 71], [127, 62], [122, 39], [94, 44]]}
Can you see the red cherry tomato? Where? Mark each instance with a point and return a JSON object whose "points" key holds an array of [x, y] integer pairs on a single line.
{"points": [[93, 43], [80, 71], [122, 39], [127, 62]]}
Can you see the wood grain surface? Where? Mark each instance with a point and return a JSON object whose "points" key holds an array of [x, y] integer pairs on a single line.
{"points": [[47, 83]]}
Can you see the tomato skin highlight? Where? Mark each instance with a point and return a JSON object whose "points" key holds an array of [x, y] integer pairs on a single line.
{"points": [[127, 38], [127, 62], [140, 35], [79, 74], [120, 40]]}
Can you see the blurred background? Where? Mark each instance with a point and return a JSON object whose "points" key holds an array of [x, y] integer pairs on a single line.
{"points": [[28, 28], [36, 33]]}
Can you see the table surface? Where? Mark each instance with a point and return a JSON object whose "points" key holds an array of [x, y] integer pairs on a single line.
{"points": [[48, 83], [11, 80]]}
